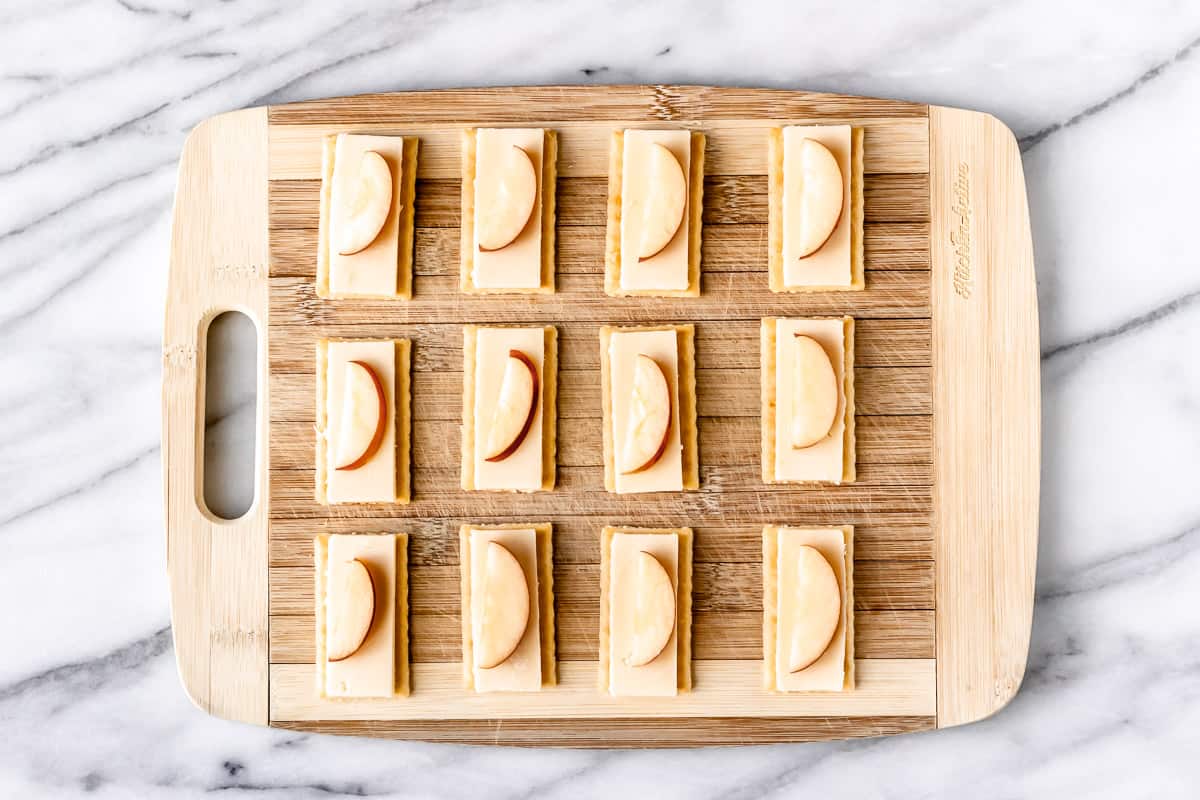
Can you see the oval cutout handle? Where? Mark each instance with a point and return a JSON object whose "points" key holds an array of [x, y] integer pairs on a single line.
{"points": [[217, 569]]}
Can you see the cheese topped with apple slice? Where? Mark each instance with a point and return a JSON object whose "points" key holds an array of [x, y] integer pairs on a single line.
{"points": [[359, 441], [654, 203], [508, 208], [364, 215], [810, 399], [644, 366], [811, 620], [508, 408], [359, 599], [642, 592], [505, 616], [816, 205]]}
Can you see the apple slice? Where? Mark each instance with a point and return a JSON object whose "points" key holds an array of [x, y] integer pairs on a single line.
{"points": [[662, 213], [814, 393], [364, 416], [349, 608], [504, 200], [654, 611], [515, 408], [505, 607], [818, 195], [649, 425], [818, 608], [360, 222]]}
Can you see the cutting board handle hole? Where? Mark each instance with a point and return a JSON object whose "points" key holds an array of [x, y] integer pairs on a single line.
{"points": [[230, 404]]}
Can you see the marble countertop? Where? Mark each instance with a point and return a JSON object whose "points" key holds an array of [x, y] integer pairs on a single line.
{"points": [[96, 97]]}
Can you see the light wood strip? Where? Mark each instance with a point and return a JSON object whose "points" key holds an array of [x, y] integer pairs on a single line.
{"points": [[216, 569], [727, 635], [732, 344], [517, 104], [722, 689], [580, 298], [987, 398], [718, 587], [433, 541], [734, 147], [621, 732]]}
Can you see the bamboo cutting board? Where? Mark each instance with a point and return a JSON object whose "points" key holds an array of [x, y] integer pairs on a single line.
{"points": [[947, 384]]}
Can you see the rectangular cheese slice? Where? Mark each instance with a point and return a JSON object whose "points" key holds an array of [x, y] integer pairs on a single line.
{"points": [[838, 264], [385, 477], [671, 671], [672, 348], [831, 460], [485, 356], [833, 671], [526, 265], [383, 268], [380, 666], [675, 270], [532, 664]]}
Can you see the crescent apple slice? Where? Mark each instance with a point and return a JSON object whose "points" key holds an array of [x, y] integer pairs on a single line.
{"points": [[654, 611], [364, 416], [350, 608], [505, 607], [662, 213], [818, 603], [515, 408], [814, 393], [819, 196], [360, 221], [504, 200], [649, 425]]}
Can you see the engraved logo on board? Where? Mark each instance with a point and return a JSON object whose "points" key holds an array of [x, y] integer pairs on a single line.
{"points": [[960, 232]]}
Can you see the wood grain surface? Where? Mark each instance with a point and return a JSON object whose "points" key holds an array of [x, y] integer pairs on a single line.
{"points": [[891, 505]]}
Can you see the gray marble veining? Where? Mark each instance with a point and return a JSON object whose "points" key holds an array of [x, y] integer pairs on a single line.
{"points": [[96, 97]]}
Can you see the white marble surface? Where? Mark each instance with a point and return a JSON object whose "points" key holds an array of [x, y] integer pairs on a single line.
{"points": [[96, 97]]}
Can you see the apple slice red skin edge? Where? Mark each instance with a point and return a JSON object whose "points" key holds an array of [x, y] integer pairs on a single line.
{"points": [[529, 219], [370, 624], [676, 625], [533, 406], [520, 638], [662, 448], [375, 441], [836, 223], [376, 237]]}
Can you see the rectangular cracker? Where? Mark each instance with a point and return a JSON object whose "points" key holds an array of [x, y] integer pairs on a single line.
{"points": [[403, 400], [683, 602], [767, 371], [545, 551], [771, 604], [404, 245], [688, 433], [402, 680], [467, 242], [612, 250], [549, 406], [775, 217]]}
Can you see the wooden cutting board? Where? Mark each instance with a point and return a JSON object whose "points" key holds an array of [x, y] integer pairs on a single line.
{"points": [[947, 382]]}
